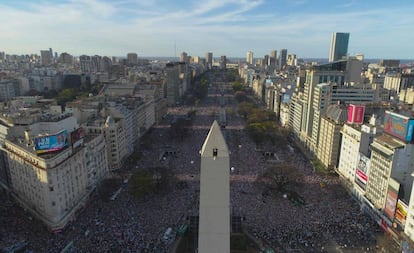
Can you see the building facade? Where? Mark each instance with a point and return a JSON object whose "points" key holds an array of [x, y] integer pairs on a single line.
{"points": [[339, 46], [54, 184]]}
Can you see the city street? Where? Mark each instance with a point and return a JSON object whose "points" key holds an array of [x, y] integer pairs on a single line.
{"points": [[329, 221]]}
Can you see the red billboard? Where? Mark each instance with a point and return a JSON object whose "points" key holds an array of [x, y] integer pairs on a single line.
{"points": [[392, 197], [399, 126], [76, 137], [51, 143], [356, 114]]}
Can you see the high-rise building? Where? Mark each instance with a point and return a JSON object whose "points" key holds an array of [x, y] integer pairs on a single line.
{"points": [[2, 56], [183, 57], [223, 62], [172, 83], [282, 58], [249, 57], [296, 112], [65, 58], [85, 63], [266, 60], [339, 72], [273, 54], [291, 60], [209, 60], [45, 57], [330, 135], [272, 58], [339, 46], [392, 157], [330, 72], [132, 58], [354, 157], [395, 82], [196, 59], [321, 101]]}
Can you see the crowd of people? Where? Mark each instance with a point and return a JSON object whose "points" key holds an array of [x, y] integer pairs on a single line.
{"points": [[330, 216]]}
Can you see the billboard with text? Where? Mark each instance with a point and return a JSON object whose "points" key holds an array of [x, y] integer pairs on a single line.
{"points": [[392, 197], [399, 126], [362, 170], [401, 212], [51, 143]]}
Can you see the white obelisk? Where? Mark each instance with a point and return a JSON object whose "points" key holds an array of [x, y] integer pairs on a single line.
{"points": [[214, 215]]}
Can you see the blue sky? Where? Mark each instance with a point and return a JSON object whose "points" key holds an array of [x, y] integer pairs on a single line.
{"points": [[378, 29]]}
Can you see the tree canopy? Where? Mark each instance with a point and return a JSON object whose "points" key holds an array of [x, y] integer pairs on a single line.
{"points": [[279, 176], [262, 124]]}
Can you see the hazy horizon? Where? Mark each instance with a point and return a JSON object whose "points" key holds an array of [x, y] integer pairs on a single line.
{"points": [[224, 27]]}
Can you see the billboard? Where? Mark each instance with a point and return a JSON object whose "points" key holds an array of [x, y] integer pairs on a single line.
{"points": [[399, 126], [362, 170], [51, 143], [76, 137], [392, 197], [356, 114], [401, 212]]}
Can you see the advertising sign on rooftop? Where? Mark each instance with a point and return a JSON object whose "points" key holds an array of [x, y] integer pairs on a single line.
{"points": [[76, 137], [398, 126], [356, 114], [51, 143]]}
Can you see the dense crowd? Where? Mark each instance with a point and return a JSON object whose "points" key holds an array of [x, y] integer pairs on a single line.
{"points": [[129, 224]]}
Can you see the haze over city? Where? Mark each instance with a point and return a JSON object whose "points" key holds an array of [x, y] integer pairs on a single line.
{"points": [[225, 27]]}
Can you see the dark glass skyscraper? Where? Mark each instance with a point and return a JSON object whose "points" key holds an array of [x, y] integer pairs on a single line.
{"points": [[339, 46], [282, 58]]}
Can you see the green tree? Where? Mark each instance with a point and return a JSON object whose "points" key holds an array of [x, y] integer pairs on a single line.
{"points": [[237, 86], [245, 109], [241, 96], [142, 183], [257, 132], [66, 95]]}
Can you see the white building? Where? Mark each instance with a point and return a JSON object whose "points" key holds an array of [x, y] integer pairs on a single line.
{"points": [[249, 57], [52, 175], [284, 116]]}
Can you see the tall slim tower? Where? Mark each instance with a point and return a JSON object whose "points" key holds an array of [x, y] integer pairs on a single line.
{"points": [[249, 57], [282, 58], [339, 46], [209, 60], [214, 216]]}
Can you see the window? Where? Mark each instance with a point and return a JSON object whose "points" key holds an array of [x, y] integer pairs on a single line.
{"points": [[51, 188], [215, 151]]}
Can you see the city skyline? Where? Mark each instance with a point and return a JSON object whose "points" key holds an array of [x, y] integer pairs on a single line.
{"points": [[225, 27]]}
